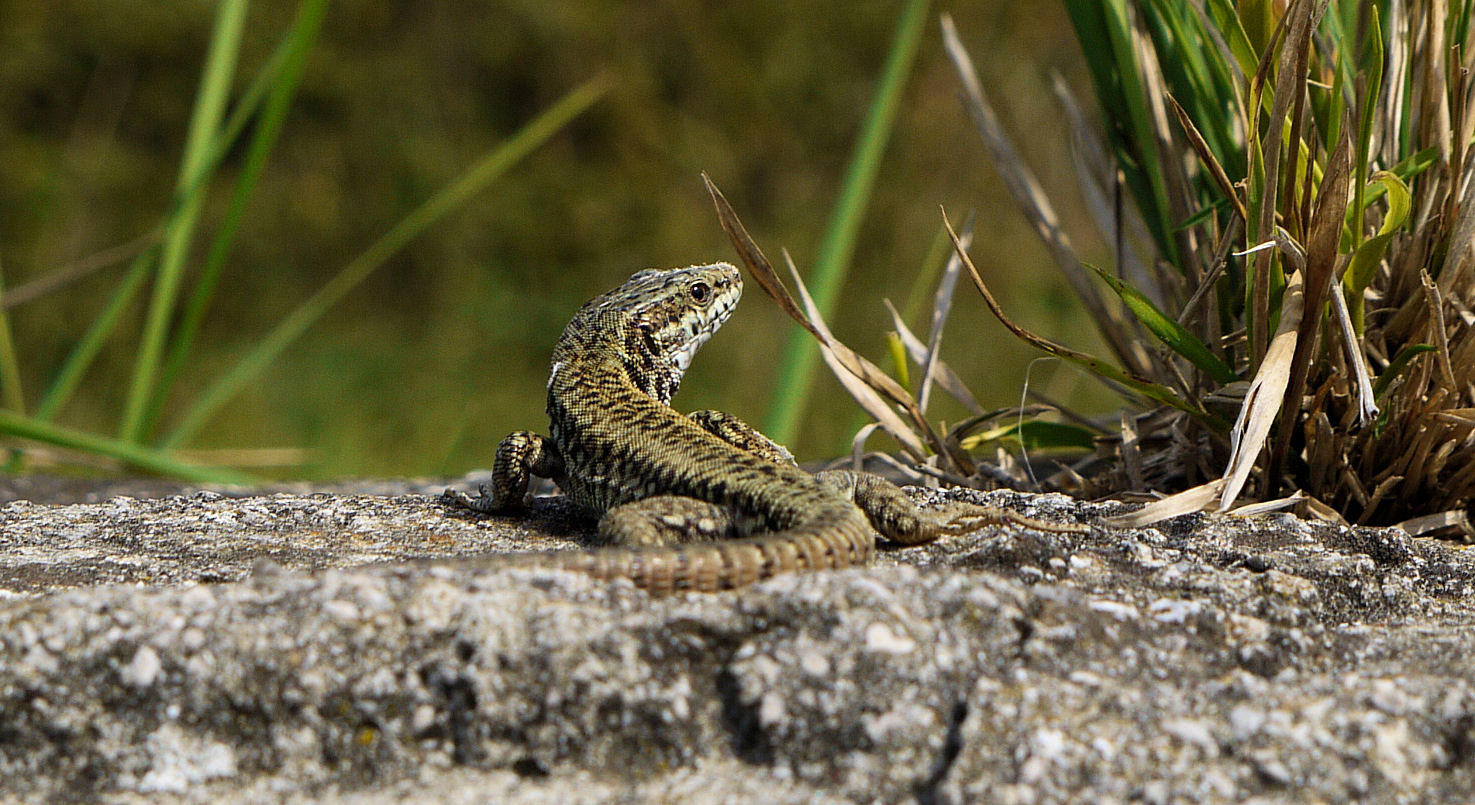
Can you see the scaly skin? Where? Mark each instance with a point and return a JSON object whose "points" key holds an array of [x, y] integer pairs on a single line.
{"points": [[700, 502]]}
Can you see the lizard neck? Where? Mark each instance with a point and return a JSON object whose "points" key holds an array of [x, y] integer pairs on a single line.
{"points": [[615, 351]]}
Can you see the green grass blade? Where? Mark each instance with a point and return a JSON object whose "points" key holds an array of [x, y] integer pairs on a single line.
{"points": [[1204, 213], [920, 294], [1034, 434], [1169, 331], [453, 196], [1232, 29], [82, 355], [1413, 165], [1105, 31], [797, 366], [1198, 76], [283, 87], [1459, 23], [204, 126], [14, 399], [1365, 261], [142, 458], [1371, 68], [1398, 366], [1103, 370]]}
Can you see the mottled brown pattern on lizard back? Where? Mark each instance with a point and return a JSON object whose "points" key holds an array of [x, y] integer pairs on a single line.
{"points": [[616, 444]]}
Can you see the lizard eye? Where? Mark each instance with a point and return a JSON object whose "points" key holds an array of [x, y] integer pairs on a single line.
{"points": [[701, 292]]}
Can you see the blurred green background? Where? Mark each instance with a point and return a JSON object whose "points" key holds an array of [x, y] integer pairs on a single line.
{"points": [[444, 350]]}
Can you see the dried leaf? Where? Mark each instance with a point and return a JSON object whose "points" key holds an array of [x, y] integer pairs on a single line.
{"points": [[1207, 157], [1131, 453], [1440, 332], [1322, 238], [858, 444], [942, 305], [1267, 506], [941, 372], [1321, 511], [1459, 261], [1367, 406], [752, 257], [1457, 416], [1189, 500], [1288, 84], [836, 355], [1266, 393], [1429, 523], [858, 375]]}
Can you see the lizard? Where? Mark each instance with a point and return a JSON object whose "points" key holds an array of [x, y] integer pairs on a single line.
{"points": [[690, 502]]}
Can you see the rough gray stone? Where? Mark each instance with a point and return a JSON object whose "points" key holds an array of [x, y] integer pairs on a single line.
{"points": [[345, 647]]}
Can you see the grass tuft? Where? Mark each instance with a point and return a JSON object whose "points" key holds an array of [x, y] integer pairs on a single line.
{"points": [[1311, 264], [1289, 316]]}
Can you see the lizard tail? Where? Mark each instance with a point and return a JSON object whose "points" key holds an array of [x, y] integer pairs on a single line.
{"points": [[716, 566]]}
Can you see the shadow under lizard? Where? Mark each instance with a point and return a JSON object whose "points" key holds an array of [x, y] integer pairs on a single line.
{"points": [[700, 501]]}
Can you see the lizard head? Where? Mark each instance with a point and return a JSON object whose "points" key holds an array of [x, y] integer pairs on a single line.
{"points": [[655, 322]]}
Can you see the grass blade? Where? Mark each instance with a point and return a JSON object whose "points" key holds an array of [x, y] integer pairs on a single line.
{"points": [[1034, 435], [1216, 170], [142, 458], [204, 126], [942, 305], [1096, 366], [1398, 366], [1369, 255], [1367, 407], [938, 371], [1168, 331], [859, 385], [1189, 500], [1267, 392], [1106, 33], [796, 373], [837, 355], [1031, 200], [1323, 236], [473, 181], [87, 349], [14, 399], [1266, 159], [91, 343], [76, 270], [283, 86]]}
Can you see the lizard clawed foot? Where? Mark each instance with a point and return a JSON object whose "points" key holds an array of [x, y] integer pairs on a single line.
{"points": [[965, 518], [483, 503]]}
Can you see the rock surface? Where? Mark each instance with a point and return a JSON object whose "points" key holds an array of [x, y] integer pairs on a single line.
{"points": [[297, 647]]}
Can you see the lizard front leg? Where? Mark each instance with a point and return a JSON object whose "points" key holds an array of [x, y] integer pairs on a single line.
{"points": [[741, 435], [897, 518], [520, 456]]}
